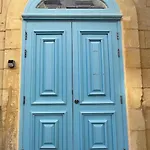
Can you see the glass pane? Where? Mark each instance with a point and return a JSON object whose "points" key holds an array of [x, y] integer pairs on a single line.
{"points": [[75, 4]]}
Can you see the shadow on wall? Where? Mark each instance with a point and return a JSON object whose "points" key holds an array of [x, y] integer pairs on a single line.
{"points": [[1, 119], [1, 128], [10, 122]]}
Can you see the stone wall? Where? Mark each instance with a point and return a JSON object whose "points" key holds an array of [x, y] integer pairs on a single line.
{"points": [[143, 10], [136, 52], [10, 48]]}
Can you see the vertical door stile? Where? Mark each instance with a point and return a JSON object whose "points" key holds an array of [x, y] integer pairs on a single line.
{"points": [[72, 61], [76, 86]]}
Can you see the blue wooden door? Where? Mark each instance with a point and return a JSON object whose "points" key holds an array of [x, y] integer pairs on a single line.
{"points": [[48, 87], [97, 115], [72, 87]]}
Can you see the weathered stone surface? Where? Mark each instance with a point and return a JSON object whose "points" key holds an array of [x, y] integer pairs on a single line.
{"points": [[132, 58], [1, 79], [13, 39], [124, 7], [130, 20], [134, 97], [146, 77], [143, 18], [14, 21], [11, 78], [131, 38], [3, 118], [1, 137], [1, 59], [133, 77], [148, 139], [147, 37], [2, 40], [136, 119], [10, 99], [2, 22], [10, 133], [146, 93], [138, 140], [140, 4], [148, 3], [145, 57], [0, 6], [147, 118], [142, 39], [12, 55], [1, 91]]}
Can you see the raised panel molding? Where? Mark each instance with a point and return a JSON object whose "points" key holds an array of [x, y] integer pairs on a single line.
{"points": [[98, 133], [47, 32], [100, 129], [49, 134], [97, 85], [95, 67], [49, 83], [48, 130], [49, 68]]}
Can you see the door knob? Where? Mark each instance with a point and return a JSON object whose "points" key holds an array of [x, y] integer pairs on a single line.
{"points": [[76, 101]]}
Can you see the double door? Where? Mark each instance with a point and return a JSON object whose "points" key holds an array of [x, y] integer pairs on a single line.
{"points": [[72, 87]]}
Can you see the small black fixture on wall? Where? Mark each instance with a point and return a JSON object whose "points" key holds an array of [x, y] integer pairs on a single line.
{"points": [[11, 63]]}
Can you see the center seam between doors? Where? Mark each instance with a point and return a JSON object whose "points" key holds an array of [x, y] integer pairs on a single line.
{"points": [[72, 85]]}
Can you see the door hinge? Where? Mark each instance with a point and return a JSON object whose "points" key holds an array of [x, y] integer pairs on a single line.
{"points": [[24, 100], [121, 100], [72, 92], [26, 35], [117, 36], [25, 53], [118, 52]]}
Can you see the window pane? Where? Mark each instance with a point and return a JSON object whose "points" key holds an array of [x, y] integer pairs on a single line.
{"points": [[72, 4]]}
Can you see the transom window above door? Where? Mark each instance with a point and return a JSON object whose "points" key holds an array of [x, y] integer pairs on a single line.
{"points": [[74, 4]]}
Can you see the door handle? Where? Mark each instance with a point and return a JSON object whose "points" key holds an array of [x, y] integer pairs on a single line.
{"points": [[76, 101]]}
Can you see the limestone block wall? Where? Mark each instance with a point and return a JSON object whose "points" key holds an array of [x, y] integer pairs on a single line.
{"points": [[143, 10], [136, 53], [10, 48]]}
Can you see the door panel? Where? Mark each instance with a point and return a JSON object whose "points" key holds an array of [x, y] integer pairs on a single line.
{"points": [[53, 120], [48, 87], [50, 75], [97, 116], [95, 76]]}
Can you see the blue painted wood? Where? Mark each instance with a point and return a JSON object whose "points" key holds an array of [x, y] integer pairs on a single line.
{"points": [[122, 87], [48, 90], [74, 55], [100, 110]]}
